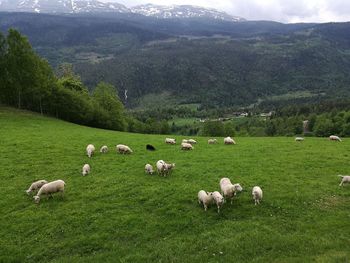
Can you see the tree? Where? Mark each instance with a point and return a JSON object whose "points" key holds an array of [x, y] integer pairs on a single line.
{"points": [[213, 128], [107, 100]]}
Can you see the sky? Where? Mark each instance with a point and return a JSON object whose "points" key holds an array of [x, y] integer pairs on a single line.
{"points": [[287, 11]]}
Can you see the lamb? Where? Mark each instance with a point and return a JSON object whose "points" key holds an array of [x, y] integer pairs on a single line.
{"points": [[334, 138], [186, 146], [218, 199], [212, 141], [149, 169], [229, 140], [35, 186], [90, 149], [191, 141], [229, 190], [170, 141], [299, 139], [104, 149], [123, 149], [345, 179], [257, 194], [205, 198], [86, 169], [164, 168], [49, 189]]}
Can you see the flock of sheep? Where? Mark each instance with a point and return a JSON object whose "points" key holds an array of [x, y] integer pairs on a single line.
{"points": [[228, 190]]}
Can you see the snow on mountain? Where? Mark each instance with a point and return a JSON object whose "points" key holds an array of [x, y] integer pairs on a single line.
{"points": [[182, 11], [95, 6]]}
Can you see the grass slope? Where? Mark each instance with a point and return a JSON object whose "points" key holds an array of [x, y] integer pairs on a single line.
{"points": [[119, 214]]}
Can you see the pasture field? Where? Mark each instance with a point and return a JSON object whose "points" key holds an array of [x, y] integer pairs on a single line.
{"points": [[120, 214]]}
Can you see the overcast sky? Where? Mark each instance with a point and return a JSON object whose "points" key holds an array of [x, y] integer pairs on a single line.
{"points": [[277, 10]]}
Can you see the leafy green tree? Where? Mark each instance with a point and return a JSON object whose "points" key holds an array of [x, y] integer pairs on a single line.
{"points": [[213, 128]]}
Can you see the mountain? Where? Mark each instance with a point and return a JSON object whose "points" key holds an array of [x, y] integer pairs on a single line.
{"points": [[183, 11], [95, 6]]}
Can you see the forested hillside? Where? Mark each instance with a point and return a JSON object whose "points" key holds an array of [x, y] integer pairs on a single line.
{"points": [[210, 63]]}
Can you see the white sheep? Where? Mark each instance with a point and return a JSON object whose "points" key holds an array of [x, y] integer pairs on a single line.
{"points": [[123, 149], [86, 169], [345, 179], [170, 141], [185, 141], [164, 168], [257, 194], [186, 146], [212, 141], [149, 169], [299, 139], [229, 190], [335, 138], [229, 140], [49, 189], [191, 141], [90, 149], [36, 186], [205, 198], [218, 199], [104, 149]]}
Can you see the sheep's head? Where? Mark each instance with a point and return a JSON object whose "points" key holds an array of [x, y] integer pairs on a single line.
{"points": [[238, 188], [36, 199], [28, 191]]}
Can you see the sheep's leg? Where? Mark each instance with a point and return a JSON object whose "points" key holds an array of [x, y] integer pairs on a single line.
{"points": [[205, 208], [218, 209], [341, 183]]}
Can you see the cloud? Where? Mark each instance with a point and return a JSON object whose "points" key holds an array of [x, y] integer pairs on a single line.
{"points": [[288, 11]]}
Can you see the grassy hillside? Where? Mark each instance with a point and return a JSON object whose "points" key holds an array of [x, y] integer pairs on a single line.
{"points": [[119, 214]]}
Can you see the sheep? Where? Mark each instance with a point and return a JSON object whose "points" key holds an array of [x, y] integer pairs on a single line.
{"points": [[334, 138], [212, 141], [35, 186], [191, 141], [170, 141], [229, 140], [90, 149], [299, 139], [123, 149], [218, 199], [49, 189], [149, 169], [186, 146], [345, 179], [257, 194], [104, 149], [150, 147], [164, 168], [86, 169], [185, 141], [229, 190], [205, 198]]}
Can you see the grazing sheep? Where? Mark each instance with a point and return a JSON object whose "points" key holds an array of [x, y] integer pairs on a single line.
{"points": [[299, 139], [104, 149], [185, 141], [90, 149], [334, 138], [49, 189], [212, 141], [186, 146], [218, 199], [345, 179], [229, 190], [170, 141], [191, 141], [149, 169], [86, 169], [205, 198], [35, 186], [229, 140], [150, 147], [257, 194], [164, 168], [123, 149]]}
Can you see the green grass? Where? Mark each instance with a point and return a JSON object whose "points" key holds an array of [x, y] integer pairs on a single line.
{"points": [[119, 214]]}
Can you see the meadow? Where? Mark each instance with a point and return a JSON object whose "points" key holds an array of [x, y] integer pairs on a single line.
{"points": [[120, 214]]}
